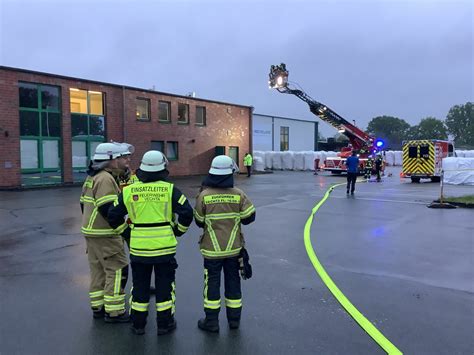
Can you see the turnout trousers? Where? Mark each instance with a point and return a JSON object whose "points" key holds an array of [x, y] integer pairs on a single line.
{"points": [[212, 284], [106, 261], [165, 292]]}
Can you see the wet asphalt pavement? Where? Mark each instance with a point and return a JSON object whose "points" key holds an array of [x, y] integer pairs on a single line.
{"points": [[407, 268]]}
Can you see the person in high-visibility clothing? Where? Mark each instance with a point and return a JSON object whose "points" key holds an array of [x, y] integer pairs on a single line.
{"points": [[368, 167], [248, 161], [220, 210], [105, 247], [151, 205]]}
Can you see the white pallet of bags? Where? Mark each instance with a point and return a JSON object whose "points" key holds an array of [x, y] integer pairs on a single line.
{"points": [[258, 163], [298, 161], [458, 171], [259, 154], [276, 160], [287, 159], [460, 153], [309, 160], [398, 157], [469, 153], [390, 158], [268, 160]]}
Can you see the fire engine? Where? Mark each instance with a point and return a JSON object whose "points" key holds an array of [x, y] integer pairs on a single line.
{"points": [[359, 140], [424, 158]]}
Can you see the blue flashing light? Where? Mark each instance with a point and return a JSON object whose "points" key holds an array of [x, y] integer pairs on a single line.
{"points": [[379, 143]]}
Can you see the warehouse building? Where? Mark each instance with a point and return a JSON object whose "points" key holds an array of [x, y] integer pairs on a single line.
{"points": [[50, 125], [274, 133]]}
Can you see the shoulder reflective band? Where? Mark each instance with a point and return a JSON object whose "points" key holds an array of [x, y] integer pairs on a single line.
{"points": [[369, 328], [221, 198]]}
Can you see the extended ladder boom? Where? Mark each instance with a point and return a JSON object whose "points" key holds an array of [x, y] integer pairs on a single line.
{"points": [[278, 79]]}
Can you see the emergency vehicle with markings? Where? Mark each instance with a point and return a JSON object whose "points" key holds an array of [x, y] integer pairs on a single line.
{"points": [[423, 158], [359, 140]]}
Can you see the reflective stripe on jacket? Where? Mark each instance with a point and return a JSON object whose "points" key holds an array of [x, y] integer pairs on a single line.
{"points": [[149, 207], [220, 210], [98, 190]]}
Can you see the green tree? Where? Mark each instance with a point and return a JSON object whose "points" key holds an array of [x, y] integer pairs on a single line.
{"points": [[428, 128], [460, 123], [392, 130]]}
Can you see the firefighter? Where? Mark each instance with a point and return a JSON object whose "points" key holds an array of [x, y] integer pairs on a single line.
{"points": [[378, 166], [151, 205], [368, 167], [220, 210], [248, 161], [105, 247]]}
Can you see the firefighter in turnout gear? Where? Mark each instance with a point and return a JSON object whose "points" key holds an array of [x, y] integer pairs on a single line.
{"points": [[151, 205], [378, 166], [105, 247], [368, 168], [220, 210]]}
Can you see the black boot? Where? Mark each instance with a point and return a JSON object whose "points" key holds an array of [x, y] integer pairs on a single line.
{"points": [[166, 327], [122, 318], [209, 325], [233, 317], [98, 313]]}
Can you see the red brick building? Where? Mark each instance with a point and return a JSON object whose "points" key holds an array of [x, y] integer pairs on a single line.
{"points": [[50, 125]]}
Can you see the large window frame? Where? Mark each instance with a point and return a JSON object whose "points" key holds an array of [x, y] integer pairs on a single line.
{"points": [[284, 138], [89, 139], [161, 104], [148, 109], [40, 139], [183, 120], [200, 115]]}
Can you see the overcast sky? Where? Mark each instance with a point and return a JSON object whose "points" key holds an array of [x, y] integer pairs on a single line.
{"points": [[409, 59]]}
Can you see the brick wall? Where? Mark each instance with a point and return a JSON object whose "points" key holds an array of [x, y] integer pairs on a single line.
{"points": [[226, 125]]}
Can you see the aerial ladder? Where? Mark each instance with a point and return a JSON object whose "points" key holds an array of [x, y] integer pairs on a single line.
{"points": [[360, 141]]}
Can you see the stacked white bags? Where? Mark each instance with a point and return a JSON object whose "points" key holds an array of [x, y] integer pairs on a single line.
{"points": [[458, 171]]}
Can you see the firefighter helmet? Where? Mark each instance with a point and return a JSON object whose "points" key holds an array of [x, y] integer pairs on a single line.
{"points": [[222, 165], [112, 150], [153, 161]]}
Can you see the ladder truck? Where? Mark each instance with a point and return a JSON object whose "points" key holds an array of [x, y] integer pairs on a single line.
{"points": [[360, 141]]}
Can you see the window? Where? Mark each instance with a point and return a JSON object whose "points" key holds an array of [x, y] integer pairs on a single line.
{"points": [[158, 145], [40, 133], [164, 111], [87, 127], [412, 152], [424, 151], [284, 138], [451, 150], [183, 113], [200, 115], [87, 114], [143, 109], [172, 150]]}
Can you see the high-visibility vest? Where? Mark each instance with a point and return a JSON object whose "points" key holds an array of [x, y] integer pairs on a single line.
{"points": [[99, 190], [149, 207], [248, 160]]}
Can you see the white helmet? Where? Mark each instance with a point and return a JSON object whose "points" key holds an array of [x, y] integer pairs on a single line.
{"points": [[112, 150], [222, 165], [153, 161]]}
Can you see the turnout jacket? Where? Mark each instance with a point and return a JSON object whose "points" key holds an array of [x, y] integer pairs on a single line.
{"points": [[221, 211], [99, 192]]}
